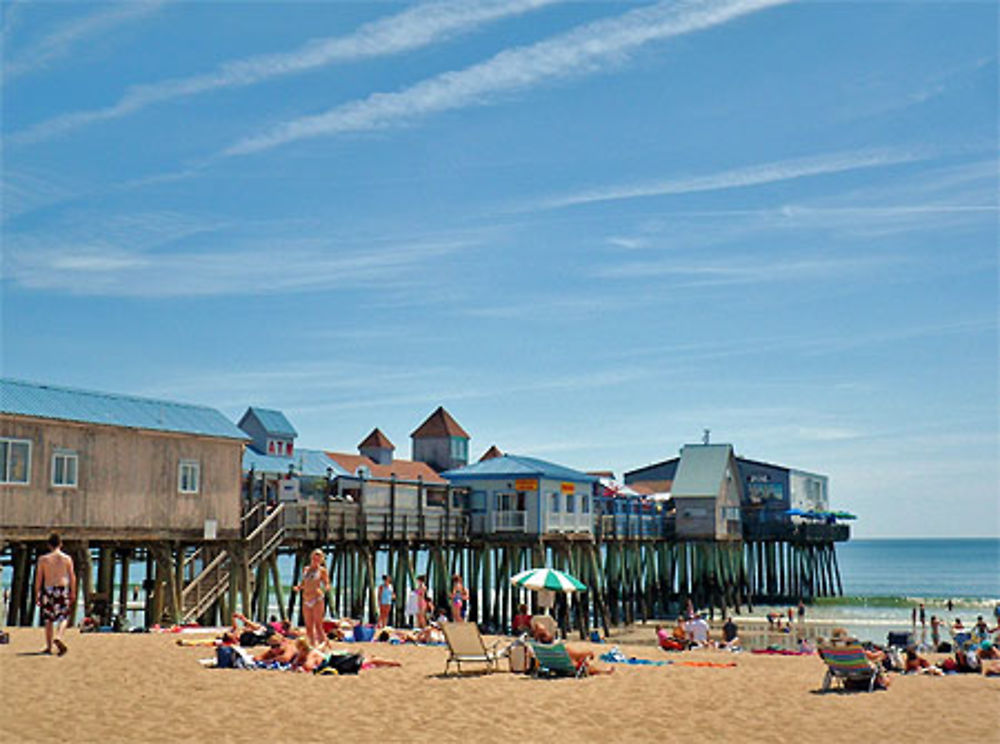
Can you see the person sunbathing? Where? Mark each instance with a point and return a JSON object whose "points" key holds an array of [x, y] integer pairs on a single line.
{"points": [[541, 632], [584, 657], [522, 621], [668, 640], [915, 663], [306, 658], [278, 649]]}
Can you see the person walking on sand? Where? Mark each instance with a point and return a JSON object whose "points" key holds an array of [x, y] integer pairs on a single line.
{"points": [[55, 592], [314, 586], [386, 596]]}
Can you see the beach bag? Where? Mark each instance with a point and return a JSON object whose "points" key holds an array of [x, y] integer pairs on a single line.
{"points": [[225, 657], [342, 663], [520, 658], [4, 637]]}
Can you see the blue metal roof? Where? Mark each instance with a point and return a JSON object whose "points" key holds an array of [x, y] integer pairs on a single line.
{"points": [[303, 462], [67, 404], [517, 466], [274, 422]]}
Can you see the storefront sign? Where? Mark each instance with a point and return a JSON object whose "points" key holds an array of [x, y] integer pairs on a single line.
{"points": [[567, 488], [526, 484]]}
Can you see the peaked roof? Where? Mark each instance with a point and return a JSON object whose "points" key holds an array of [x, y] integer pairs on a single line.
{"points": [[404, 470], [274, 422], [507, 466], [439, 424], [87, 406], [376, 439], [701, 470], [492, 452]]}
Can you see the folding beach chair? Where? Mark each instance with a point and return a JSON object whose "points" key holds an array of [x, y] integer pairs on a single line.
{"points": [[466, 645], [848, 663], [552, 660]]}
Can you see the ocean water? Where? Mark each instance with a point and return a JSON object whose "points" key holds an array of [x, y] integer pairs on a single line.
{"points": [[884, 580]]}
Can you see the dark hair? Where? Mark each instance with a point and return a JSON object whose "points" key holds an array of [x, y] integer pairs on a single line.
{"points": [[422, 578], [54, 540]]}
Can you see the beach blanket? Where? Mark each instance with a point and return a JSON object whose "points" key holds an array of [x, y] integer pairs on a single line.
{"points": [[614, 656], [706, 664], [780, 652]]}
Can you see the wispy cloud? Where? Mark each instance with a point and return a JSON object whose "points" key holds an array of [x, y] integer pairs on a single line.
{"points": [[61, 42], [252, 268], [737, 178], [415, 27], [750, 270], [584, 50]]}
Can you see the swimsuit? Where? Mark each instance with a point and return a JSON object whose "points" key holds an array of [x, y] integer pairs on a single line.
{"points": [[385, 596], [55, 603], [307, 575]]}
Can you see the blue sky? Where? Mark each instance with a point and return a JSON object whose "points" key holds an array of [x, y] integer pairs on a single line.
{"points": [[590, 230]]}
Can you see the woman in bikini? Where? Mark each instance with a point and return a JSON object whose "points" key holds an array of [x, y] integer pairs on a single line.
{"points": [[314, 586], [459, 598]]}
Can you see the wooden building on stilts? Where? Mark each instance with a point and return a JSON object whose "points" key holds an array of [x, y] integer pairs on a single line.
{"points": [[222, 517], [124, 481]]}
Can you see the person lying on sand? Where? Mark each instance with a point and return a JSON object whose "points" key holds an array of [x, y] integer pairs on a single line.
{"points": [[584, 657], [916, 664], [279, 649], [306, 658]]}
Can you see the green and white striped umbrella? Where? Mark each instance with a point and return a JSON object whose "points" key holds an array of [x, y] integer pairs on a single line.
{"points": [[547, 578]]}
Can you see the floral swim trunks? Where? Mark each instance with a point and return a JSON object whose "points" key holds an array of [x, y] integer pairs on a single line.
{"points": [[55, 603]]}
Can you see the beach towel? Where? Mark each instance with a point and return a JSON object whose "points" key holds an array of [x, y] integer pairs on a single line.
{"points": [[615, 656], [706, 664], [781, 652]]}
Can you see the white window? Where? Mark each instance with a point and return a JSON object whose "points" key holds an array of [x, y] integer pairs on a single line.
{"points": [[555, 503], [15, 461], [570, 503], [585, 504], [189, 476], [64, 469]]}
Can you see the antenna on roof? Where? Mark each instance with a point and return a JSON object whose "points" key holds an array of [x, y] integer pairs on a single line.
{"points": [[706, 435]]}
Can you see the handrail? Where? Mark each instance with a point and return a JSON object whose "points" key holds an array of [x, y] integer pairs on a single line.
{"points": [[211, 582]]}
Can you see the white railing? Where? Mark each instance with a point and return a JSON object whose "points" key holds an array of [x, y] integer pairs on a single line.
{"points": [[508, 521]]}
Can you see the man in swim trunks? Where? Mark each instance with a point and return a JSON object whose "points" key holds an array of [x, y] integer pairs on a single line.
{"points": [[55, 592]]}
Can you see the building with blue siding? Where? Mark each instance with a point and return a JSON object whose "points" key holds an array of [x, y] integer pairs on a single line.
{"points": [[769, 491], [516, 494]]}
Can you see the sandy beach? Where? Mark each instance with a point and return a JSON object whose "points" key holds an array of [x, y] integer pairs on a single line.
{"points": [[144, 687]]}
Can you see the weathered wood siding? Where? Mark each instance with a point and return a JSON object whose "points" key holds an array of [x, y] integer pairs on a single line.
{"points": [[127, 482]]}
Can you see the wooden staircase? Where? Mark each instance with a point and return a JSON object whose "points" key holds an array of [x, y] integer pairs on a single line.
{"points": [[265, 533]]}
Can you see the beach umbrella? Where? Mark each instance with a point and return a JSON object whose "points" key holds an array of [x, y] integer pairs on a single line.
{"points": [[547, 578]]}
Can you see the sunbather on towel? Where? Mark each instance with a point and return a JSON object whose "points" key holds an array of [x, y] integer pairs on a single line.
{"points": [[279, 649], [584, 657]]}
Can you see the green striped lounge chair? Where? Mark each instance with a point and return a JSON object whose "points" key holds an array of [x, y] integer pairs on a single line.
{"points": [[848, 663], [552, 660]]}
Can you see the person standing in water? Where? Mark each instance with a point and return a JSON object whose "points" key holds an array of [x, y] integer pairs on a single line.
{"points": [[55, 593], [314, 586]]}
